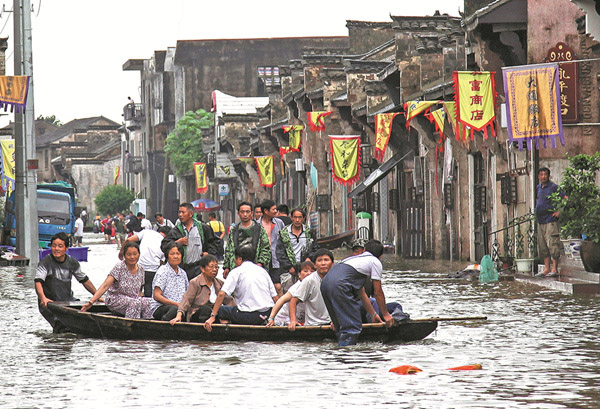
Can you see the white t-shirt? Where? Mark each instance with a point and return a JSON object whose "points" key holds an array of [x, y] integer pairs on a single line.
{"points": [[283, 316], [366, 264], [78, 227], [309, 292], [146, 224], [150, 253], [251, 287]]}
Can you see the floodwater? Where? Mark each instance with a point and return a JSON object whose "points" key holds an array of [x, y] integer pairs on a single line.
{"points": [[538, 349]]}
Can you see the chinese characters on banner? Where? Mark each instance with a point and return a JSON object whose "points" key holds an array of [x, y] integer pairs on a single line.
{"points": [[383, 130], [8, 164], [200, 172], [533, 104], [295, 132], [567, 81], [315, 119], [265, 167], [475, 96], [414, 108], [13, 92], [345, 158]]}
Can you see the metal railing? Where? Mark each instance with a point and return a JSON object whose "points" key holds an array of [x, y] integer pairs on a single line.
{"points": [[514, 240]]}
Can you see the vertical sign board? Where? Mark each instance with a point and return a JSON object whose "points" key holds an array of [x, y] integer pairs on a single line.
{"points": [[567, 76]]}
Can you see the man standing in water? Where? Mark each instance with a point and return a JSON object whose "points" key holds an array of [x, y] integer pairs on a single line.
{"points": [[53, 279], [343, 291], [548, 225]]}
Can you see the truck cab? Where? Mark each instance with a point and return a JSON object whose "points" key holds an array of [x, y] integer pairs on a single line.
{"points": [[56, 213]]}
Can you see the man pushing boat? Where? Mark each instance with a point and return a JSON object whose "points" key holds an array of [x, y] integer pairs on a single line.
{"points": [[343, 291]]}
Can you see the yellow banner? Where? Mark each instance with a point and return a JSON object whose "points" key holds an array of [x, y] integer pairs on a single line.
{"points": [[315, 120], [414, 108], [117, 172], [345, 155], [438, 117], [201, 182], [295, 132], [265, 166], [383, 130], [533, 103], [8, 164], [13, 91], [246, 159], [475, 95]]}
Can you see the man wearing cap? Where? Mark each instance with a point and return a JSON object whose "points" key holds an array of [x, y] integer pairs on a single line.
{"points": [[358, 246]]}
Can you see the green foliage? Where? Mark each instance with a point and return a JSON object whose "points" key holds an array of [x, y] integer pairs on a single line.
{"points": [[580, 206], [184, 144], [50, 119], [113, 199]]}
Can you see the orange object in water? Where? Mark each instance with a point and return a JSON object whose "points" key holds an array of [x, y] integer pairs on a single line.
{"points": [[466, 368], [406, 370]]}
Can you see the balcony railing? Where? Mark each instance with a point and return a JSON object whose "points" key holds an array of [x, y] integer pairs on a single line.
{"points": [[134, 164], [133, 112]]}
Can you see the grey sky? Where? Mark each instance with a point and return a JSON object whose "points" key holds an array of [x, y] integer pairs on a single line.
{"points": [[80, 46]]}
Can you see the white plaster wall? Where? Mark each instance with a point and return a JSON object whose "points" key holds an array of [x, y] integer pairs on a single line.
{"points": [[91, 179]]}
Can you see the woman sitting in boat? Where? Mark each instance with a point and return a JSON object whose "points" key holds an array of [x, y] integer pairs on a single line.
{"points": [[280, 315], [169, 285], [124, 286], [201, 295]]}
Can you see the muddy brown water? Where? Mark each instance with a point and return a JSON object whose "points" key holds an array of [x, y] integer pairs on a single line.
{"points": [[538, 349]]}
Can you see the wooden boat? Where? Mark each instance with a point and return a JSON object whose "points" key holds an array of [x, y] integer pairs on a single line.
{"points": [[337, 240], [99, 322]]}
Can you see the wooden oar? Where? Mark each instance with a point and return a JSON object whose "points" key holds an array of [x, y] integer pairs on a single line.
{"points": [[450, 319]]}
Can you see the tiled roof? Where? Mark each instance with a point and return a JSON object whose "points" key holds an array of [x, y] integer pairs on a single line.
{"points": [[71, 127]]}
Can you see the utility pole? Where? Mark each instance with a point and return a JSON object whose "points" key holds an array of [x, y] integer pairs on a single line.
{"points": [[25, 171]]}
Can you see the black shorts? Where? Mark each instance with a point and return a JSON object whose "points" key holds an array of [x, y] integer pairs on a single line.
{"points": [[275, 274]]}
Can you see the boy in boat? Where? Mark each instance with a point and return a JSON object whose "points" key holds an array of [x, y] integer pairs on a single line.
{"points": [[343, 291], [309, 292], [252, 289], [296, 244], [53, 279]]}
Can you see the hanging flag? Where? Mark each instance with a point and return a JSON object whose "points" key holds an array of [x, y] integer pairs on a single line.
{"points": [[265, 167], [314, 176], [8, 164], [475, 96], [345, 158], [533, 109], [383, 130], [438, 118], [200, 172], [13, 92], [315, 119], [414, 108], [246, 159], [284, 150], [295, 132], [116, 174]]}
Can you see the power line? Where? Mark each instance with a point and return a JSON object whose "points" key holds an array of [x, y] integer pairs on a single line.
{"points": [[4, 26]]}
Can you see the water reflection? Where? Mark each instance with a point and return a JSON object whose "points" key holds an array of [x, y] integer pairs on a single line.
{"points": [[539, 349]]}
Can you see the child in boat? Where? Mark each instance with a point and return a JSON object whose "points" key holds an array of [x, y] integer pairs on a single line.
{"points": [[280, 315], [309, 293]]}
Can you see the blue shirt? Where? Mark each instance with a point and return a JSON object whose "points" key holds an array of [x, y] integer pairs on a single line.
{"points": [[544, 206]]}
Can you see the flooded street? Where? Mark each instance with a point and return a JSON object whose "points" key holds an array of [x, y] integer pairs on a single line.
{"points": [[538, 349]]}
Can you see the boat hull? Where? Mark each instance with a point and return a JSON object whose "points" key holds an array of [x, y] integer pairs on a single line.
{"points": [[99, 323]]}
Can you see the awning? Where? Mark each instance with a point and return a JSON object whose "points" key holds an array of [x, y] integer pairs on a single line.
{"points": [[378, 174]]}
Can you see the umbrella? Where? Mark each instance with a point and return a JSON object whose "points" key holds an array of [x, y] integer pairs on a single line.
{"points": [[363, 215], [205, 205]]}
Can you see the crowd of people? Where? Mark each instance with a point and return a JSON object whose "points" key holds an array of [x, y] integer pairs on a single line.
{"points": [[274, 273]]}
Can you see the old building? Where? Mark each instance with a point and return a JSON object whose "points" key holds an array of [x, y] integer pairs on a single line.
{"points": [[83, 152]]}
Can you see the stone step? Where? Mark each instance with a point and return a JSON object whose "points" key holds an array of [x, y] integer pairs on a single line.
{"points": [[563, 283], [572, 270]]}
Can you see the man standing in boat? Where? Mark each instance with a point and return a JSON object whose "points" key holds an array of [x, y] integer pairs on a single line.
{"points": [[247, 232], [272, 226], [343, 291], [53, 279], [196, 238]]}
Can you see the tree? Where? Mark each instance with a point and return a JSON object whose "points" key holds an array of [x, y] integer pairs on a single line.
{"points": [[50, 119], [113, 199], [184, 144]]}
